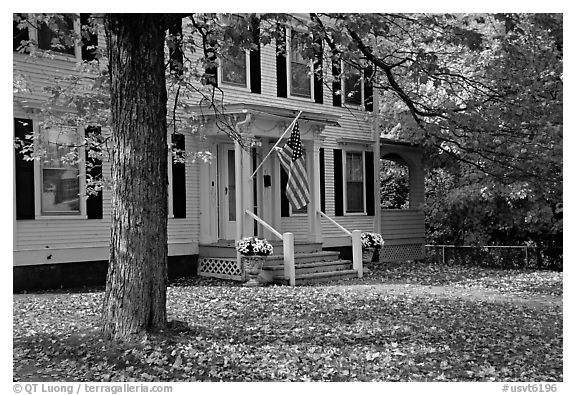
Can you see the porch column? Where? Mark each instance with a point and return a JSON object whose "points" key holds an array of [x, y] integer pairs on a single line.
{"points": [[246, 184], [239, 188], [313, 168]]}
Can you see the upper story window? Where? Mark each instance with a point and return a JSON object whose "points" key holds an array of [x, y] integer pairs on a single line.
{"points": [[57, 35], [352, 86], [67, 35], [300, 70], [235, 68], [59, 173]]}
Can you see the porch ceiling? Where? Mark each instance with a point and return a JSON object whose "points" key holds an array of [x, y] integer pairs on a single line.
{"points": [[270, 112]]}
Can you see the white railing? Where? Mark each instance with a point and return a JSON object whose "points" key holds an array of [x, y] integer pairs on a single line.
{"points": [[288, 247], [356, 244]]}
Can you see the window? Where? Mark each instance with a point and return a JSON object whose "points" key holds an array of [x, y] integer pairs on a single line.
{"points": [[57, 35], [60, 174], [235, 68], [300, 70], [354, 182]]}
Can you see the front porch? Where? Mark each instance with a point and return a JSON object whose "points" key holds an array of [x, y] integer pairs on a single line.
{"points": [[311, 263]]}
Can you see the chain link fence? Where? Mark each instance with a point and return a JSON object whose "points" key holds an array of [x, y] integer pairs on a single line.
{"points": [[502, 257]]}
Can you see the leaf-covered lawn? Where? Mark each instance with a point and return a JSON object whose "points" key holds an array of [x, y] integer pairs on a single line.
{"points": [[405, 322]]}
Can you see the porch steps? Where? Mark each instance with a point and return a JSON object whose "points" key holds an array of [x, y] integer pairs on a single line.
{"points": [[310, 268], [227, 249]]}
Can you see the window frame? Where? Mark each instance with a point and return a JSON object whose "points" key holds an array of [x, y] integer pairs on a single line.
{"points": [[344, 66], [39, 182], [221, 81], [33, 36], [289, 71], [345, 183]]}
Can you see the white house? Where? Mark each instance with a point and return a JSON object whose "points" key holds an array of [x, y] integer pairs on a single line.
{"points": [[61, 236]]}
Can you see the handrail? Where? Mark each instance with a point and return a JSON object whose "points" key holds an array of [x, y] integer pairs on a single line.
{"points": [[335, 223], [264, 224]]}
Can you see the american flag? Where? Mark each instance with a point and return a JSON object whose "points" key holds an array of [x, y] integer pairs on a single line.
{"points": [[293, 161]]}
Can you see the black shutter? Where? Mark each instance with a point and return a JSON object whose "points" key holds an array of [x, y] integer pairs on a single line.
{"points": [[24, 173], [318, 73], [179, 178], [89, 38], [368, 89], [336, 84], [19, 35], [369, 171], [338, 183], [94, 169], [211, 70], [281, 77], [175, 50], [322, 182], [255, 68], [284, 202]]}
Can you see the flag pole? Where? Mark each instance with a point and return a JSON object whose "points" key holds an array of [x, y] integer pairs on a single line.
{"points": [[275, 145]]}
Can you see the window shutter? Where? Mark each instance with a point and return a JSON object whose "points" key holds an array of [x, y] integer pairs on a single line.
{"points": [[284, 202], [318, 73], [336, 84], [322, 182], [19, 35], [94, 169], [255, 67], [89, 38], [179, 178], [368, 89], [281, 77], [24, 173], [338, 183], [211, 71], [175, 50], [369, 171]]}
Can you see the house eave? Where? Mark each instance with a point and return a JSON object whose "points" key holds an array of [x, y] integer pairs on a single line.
{"points": [[268, 112]]}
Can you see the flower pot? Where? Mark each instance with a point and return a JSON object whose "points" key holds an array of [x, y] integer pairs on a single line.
{"points": [[252, 268], [367, 254]]}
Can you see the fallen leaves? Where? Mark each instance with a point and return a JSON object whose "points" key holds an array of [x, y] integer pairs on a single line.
{"points": [[363, 332]]}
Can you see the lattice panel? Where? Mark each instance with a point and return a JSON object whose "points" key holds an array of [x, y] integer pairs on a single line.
{"points": [[220, 268], [401, 252]]}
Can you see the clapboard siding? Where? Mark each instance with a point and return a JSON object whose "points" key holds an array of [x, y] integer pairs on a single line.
{"points": [[402, 226]]}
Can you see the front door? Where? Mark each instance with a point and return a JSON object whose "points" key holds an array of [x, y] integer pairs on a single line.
{"points": [[227, 191]]}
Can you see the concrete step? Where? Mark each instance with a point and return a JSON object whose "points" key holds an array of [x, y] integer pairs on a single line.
{"points": [[314, 278], [305, 257], [311, 267], [227, 248]]}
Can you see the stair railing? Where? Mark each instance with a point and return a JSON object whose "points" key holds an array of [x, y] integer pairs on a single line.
{"points": [[355, 235], [288, 244]]}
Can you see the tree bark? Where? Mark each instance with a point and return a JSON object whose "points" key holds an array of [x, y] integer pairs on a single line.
{"points": [[135, 298]]}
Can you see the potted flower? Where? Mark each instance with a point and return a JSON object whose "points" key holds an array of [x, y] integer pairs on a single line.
{"points": [[253, 251], [370, 241]]}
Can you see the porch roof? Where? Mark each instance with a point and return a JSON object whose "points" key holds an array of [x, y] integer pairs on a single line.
{"points": [[269, 111]]}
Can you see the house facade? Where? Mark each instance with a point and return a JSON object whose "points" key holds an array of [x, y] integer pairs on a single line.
{"points": [[61, 235]]}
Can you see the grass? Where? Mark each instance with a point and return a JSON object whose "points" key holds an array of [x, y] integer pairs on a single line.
{"points": [[405, 322]]}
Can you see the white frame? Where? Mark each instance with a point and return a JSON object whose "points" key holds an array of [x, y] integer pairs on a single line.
{"points": [[343, 88], [289, 71], [39, 181], [232, 85], [226, 227], [345, 184], [33, 36]]}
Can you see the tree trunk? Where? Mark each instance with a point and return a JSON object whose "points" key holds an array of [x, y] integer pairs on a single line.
{"points": [[135, 299]]}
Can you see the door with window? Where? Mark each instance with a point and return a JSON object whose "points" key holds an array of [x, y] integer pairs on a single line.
{"points": [[226, 192]]}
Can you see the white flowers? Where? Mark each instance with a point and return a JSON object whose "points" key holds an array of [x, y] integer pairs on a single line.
{"points": [[371, 240], [250, 246]]}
